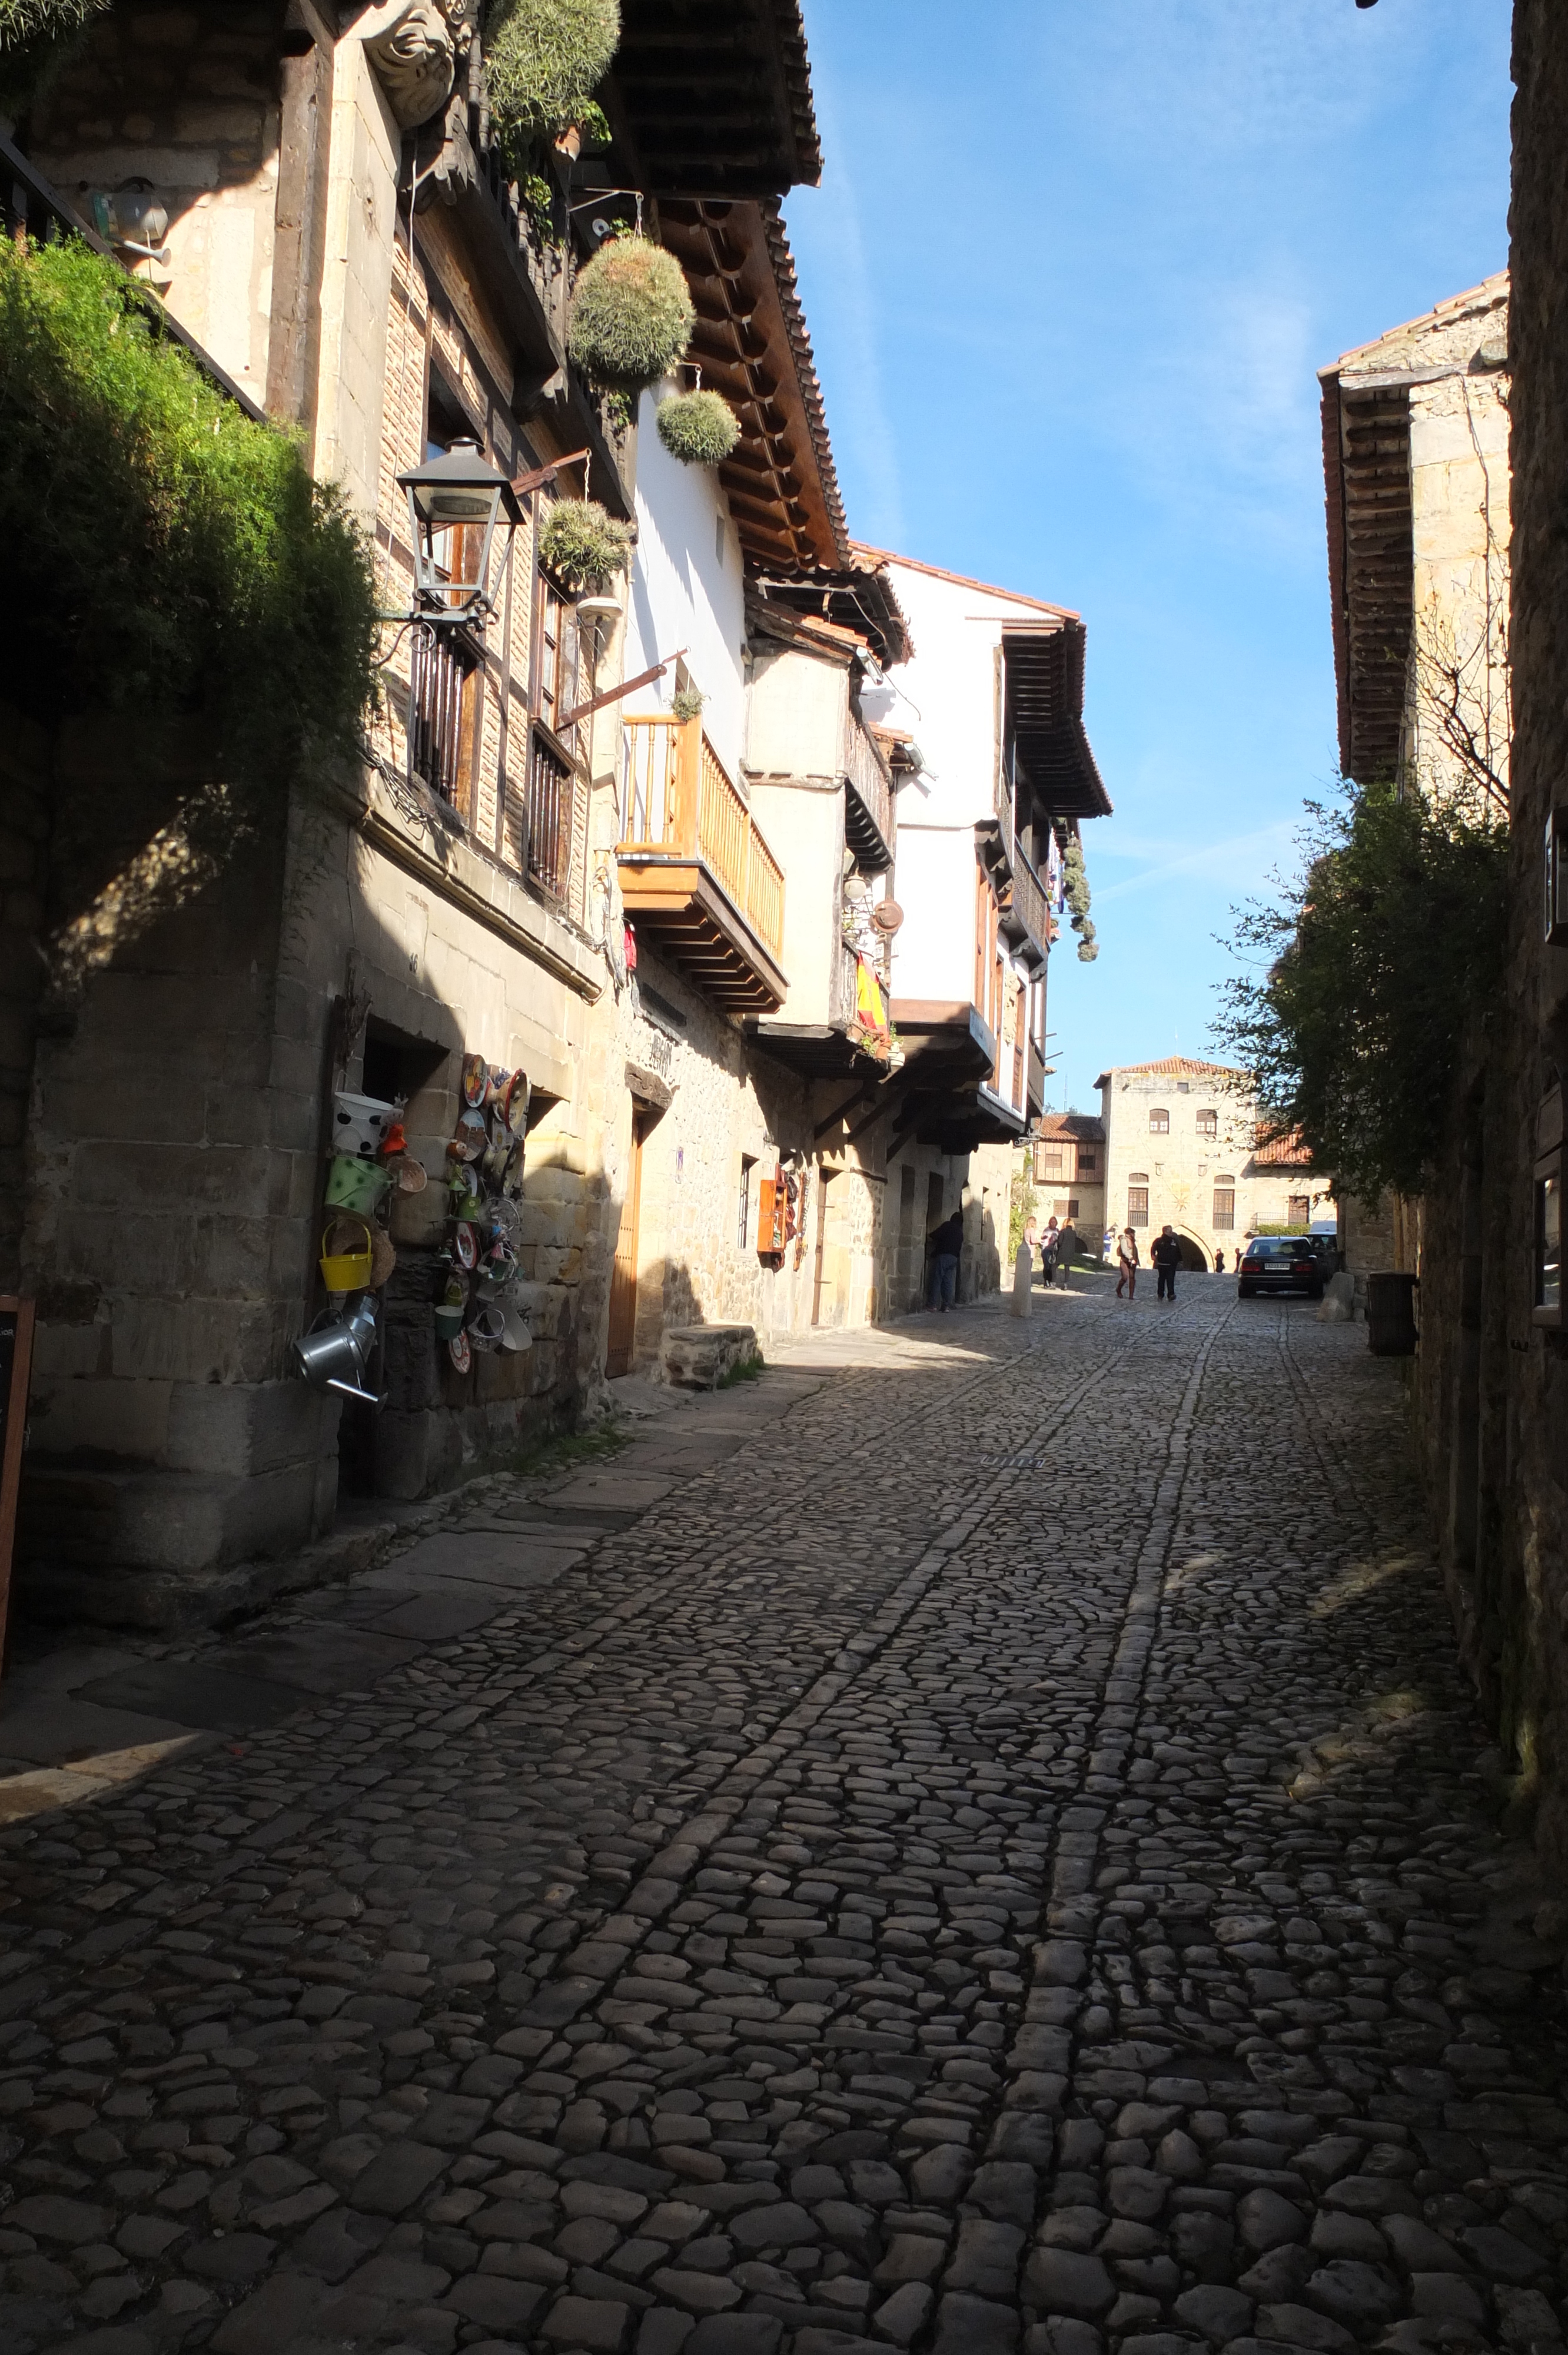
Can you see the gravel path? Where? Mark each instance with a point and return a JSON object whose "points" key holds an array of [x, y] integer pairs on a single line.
{"points": [[976, 1842]]}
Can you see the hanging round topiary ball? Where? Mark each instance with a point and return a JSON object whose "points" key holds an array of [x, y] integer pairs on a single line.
{"points": [[698, 428], [543, 59], [632, 315], [581, 543]]}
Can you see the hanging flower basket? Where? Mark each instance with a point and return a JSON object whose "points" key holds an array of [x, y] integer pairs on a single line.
{"points": [[543, 59], [582, 544], [631, 316], [698, 428]]}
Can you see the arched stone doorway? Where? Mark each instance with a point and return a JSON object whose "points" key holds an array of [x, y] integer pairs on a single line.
{"points": [[1194, 1258]]}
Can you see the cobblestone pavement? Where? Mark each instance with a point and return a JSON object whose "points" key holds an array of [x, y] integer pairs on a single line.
{"points": [[977, 1845]]}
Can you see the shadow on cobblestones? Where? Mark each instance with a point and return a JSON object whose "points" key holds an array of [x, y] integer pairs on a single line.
{"points": [[996, 1856]]}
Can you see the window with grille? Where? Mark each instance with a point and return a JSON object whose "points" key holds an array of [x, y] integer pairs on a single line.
{"points": [[1159, 1120], [1300, 1210], [1208, 1123], [1138, 1204], [1225, 1206], [1088, 1161], [443, 673], [550, 792]]}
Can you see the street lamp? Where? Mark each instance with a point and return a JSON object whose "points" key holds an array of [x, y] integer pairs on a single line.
{"points": [[454, 503]]}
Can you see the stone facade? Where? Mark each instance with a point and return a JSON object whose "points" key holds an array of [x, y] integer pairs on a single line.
{"points": [[1491, 1379], [1165, 1164]]}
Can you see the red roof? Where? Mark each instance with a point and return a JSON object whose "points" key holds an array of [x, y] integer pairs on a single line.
{"points": [[1175, 1066], [1283, 1153], [1083, 1126]]}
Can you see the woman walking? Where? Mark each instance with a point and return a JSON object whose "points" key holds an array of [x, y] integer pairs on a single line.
{"points": [[1127, 1261]]}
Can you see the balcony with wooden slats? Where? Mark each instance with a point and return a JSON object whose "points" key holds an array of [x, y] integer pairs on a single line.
{"points": [[697, 878], [870, 825]]}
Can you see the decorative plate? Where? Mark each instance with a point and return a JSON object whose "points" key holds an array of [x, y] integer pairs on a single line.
{"points": [[475, 1079], [460, 1353], [465, 1245]]}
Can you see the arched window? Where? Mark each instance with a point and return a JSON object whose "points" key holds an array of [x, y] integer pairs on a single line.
{"points": [[1208, 1123], [1159, 1120]]}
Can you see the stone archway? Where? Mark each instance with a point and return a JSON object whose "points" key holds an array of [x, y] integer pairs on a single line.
{"points": [[1194, 1258]]}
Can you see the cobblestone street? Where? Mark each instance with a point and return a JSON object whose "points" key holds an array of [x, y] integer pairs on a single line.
{"points": [[976, 1842]]}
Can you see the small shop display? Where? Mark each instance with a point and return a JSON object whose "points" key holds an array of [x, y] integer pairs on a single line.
{"points": [[336, 1354], [478, 1311], [361, 1124]]}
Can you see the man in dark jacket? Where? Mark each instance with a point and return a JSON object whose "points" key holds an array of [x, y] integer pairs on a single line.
{"points": [[945, 1244], [1068, 1249], [1166, 1253]]}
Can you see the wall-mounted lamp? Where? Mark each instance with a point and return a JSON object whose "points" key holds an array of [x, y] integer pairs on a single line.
{"points": [[454, 503]]}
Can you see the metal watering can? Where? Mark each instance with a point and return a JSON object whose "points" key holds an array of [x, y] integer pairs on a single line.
{"points": [[334, 1355]]}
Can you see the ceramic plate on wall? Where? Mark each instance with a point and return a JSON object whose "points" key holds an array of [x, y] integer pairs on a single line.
{"points": [[460, 1353], [475, 1079]]}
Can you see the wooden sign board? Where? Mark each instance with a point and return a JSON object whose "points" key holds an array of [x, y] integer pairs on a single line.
{"points": [[15, 1365]]}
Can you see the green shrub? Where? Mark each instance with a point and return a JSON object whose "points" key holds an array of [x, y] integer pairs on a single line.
{"points": [[1374, 966], [581, 543], [632, 315], [686, 703], [37, 39], [543, 61], [698, 428], [165, 552]]}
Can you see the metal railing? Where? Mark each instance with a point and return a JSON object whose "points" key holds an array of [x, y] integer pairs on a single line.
{"points": [[680, 803], [550, 795]]}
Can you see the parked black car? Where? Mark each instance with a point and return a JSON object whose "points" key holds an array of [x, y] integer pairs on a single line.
{"points": [[1281, 1264]]}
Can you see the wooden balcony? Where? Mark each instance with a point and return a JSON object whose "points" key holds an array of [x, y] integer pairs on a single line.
{"points": [[697, 877], [1025, 912], [869, 822]]}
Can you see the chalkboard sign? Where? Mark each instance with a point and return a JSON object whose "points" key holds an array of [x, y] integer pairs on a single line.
{"points": [[15, 1362]]}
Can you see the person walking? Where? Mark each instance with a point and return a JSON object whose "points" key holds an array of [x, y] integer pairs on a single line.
{"points": [[1022, 1303], [1107, 1247], [1050, 1242], [945, 1244], [1165, 1252], [1067, 1249], [1219, 1261], [1127, 1262]]}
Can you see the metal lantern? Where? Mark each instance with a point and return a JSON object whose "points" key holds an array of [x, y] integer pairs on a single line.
{"points": [[454, 504]]}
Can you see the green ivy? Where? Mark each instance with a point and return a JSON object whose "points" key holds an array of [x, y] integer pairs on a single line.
{"points": [[166, 552], [1375, 963]]}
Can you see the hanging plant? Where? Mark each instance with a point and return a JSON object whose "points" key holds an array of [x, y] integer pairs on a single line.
{"points": [[698, 428], [38, 38], [632, 315], [686, 703], [582, 544], [1088, 946], [543, 60]]}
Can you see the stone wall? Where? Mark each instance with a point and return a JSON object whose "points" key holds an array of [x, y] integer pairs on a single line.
{"points": [[25, 803], [1492, 1387], [187, 97]]}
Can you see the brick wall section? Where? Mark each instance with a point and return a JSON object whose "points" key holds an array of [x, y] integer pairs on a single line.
{"points": [[24, 851]]}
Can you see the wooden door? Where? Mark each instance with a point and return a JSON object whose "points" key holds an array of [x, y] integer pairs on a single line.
{"points": [[823, 1181], [623, 1275]]}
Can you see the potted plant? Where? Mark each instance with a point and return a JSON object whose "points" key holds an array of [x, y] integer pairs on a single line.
{"points": [[581, 543], [543, 60], [631, 316], [698, 428]]}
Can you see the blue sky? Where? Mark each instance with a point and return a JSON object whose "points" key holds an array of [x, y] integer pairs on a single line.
{"points": [[1069, 275]]}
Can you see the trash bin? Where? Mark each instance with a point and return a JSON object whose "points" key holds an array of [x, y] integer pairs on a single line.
{"points": [[1391, 1313]]}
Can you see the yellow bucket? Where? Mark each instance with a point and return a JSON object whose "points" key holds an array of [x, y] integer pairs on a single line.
{"points": [[347, 1255]]}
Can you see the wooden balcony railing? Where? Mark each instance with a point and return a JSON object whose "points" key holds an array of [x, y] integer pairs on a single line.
{"points": [[871, 782], [1031, 907], [680, 803]]}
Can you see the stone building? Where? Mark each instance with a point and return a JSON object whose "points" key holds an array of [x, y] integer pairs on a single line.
{"points": [[1182, 1148], [1415, 463], [343, 237]]}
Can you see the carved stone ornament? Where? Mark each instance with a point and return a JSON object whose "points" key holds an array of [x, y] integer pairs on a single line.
{"points": [[414, 47]]}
